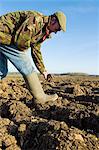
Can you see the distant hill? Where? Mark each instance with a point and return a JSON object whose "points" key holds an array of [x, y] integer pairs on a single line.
{"points": [[68, 73], [75, 74]]}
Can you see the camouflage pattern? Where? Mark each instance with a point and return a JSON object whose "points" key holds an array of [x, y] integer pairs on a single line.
{"points": [[25, 29]]}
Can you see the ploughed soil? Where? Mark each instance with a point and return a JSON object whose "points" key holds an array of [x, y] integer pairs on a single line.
{"points": [[69, 123]]}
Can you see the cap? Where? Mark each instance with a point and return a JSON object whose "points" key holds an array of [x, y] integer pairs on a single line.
{"points": [[62, 19]]}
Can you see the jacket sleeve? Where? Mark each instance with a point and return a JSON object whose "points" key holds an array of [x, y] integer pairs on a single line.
{"points": [[37, 57]]}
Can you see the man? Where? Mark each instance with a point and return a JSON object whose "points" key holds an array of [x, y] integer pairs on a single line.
{"points": [[21, 30]]}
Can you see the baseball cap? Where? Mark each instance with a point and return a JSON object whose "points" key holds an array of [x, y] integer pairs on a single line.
{"points": [[62, 20]]}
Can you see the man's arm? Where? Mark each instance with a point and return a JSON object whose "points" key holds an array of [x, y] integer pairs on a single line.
{"points": [[37, 57]]}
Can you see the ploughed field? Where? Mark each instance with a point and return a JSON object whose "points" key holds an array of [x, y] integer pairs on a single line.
{"points": [[69, 123]]}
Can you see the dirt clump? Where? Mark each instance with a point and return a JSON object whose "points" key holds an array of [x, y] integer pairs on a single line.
{"points": [[69, 123]]}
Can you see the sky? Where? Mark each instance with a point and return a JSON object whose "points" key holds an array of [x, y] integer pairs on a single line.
{"points": [[77, 49]]}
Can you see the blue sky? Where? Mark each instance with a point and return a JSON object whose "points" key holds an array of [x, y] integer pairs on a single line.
{"points": [[76, 50]]}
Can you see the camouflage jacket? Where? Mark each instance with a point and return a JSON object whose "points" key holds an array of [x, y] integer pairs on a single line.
{"points": [[25, 29]]}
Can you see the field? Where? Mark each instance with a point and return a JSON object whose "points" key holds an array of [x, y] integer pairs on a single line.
{"points": [[69, 123]]}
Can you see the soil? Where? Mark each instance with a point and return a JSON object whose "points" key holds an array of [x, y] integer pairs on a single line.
{"points": [[69, 123]]}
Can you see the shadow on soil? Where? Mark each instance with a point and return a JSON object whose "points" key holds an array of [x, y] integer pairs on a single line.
{"points": [[37, 137], [79, 119]]}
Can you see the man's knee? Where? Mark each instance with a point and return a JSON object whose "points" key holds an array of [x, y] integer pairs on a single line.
{"points": [[26, 70]]}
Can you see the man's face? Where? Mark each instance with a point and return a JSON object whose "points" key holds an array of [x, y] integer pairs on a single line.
{"points": [[54, 25]]}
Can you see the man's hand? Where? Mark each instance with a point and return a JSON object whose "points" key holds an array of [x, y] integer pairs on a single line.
{"points": [[45, 73], [47, 76]]}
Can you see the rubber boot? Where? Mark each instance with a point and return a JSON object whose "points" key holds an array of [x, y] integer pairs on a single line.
{"points": [[35, 88]]}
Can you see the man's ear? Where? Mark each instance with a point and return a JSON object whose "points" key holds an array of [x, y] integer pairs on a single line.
{"points": [[53, 20]]}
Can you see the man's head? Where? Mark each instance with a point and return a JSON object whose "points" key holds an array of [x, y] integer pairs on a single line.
{"points": [[57, 22]]}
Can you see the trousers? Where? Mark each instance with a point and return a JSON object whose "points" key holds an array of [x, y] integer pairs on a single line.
{"points": [[19, 59]]}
